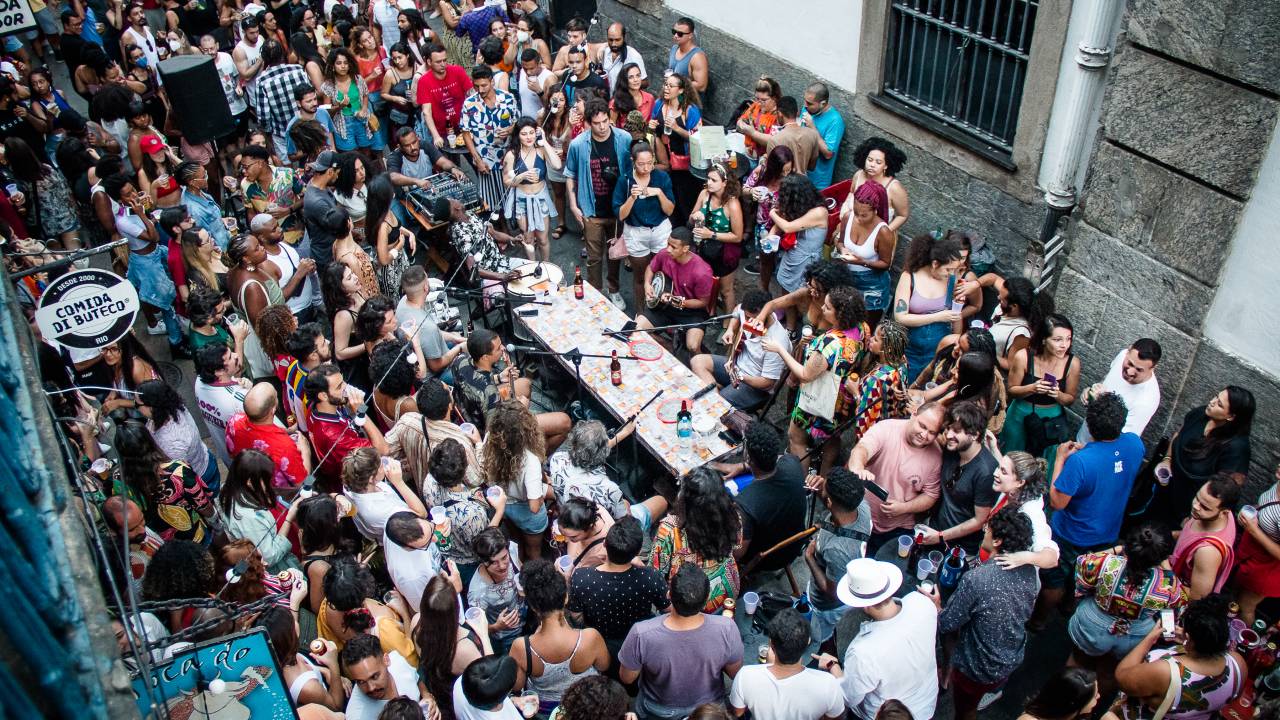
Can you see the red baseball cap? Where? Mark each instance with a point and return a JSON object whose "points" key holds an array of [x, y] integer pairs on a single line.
{"points": [[151, 144]]}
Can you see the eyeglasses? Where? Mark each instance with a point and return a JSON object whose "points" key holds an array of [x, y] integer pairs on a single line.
{"points": [[679, 33]]}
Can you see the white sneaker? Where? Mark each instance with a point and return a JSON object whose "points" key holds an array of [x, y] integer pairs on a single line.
{"points": [[618, 301], [990, 699], [158, 328]]}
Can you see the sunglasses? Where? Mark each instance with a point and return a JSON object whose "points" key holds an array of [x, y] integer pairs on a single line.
{"points": [[679, 33]]}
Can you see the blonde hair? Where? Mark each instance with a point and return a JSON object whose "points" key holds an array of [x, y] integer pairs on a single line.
{"points": [[359, 468]]}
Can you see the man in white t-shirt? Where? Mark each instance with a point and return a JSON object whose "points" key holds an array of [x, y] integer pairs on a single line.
{"points": [[375, 485], [377, 677], [412, 557], [892, 657], [785, 689], [1132, 376], [219, 392], [617, 54], [531, 82], [228, 76], [758, 369], [480, 693]]}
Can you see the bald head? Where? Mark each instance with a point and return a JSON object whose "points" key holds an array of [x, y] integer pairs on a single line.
{"points": [[121, 513], [260, 403]]}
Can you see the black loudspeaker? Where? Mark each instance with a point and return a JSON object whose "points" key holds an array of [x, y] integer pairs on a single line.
{"points": [[200, 108]]}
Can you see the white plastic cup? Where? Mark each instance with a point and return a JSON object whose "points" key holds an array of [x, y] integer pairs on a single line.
{"points": [[474, 614], [904, 545], [935, 557], [564, 562], [493, 493], [923, 568], [750, 601], [1249, 511], [925, 587], [438, 515], [1163, 474], [467, 428]]}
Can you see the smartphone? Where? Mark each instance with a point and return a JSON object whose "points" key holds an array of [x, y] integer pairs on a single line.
{"points": [[1167, 623], [876, 490], [526, 312], [1051, 378]]}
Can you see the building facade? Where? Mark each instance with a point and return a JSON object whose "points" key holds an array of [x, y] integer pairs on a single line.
{"points": [[1085, 141]]}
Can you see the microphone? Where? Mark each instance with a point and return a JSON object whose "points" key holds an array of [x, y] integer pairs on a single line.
{"points": [[512, 347]]}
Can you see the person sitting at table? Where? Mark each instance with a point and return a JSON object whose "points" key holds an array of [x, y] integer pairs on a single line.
{"points": [[480, 245], [481, 385], [690, 282], [746, 379]]}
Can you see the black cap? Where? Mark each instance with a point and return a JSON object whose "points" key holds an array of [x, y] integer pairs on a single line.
{"points": [[327, 160]]}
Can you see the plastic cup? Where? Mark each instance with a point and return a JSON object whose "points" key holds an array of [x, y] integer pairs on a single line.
{"points": [[467, 428], [923, 568], [1249, 638], [564, 562], [935, 557], [904, 545], [1163, 474], [493, 493], [750, 601], [925, 587], [762, 654], [438, 515], [1249, 511], [474, 614]]}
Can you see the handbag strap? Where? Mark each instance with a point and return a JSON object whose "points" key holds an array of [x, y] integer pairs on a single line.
{"points": [[1175, 685]]}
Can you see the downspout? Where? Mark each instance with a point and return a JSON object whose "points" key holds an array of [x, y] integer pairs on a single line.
{"points": [[1070, 130]]}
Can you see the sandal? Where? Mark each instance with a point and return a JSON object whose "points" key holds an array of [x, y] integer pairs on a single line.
{"points": [[555, 234]]}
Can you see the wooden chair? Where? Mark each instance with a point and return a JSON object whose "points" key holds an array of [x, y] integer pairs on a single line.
{"points": [[793, 545]]}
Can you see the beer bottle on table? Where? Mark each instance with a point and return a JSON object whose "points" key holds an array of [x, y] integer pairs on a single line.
{"points": [[913, 559], [615, 369], [577, 282]]}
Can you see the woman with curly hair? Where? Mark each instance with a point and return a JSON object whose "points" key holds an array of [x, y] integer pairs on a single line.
{"points": [[800, 218], [513, 453], [351, 107], [923, 301], [550, 659], [250, 507], [703, 528], [349, 609], [176, 502], [881, 392], [880, 161], [447, 644], [1020, 480], [593, 698], [181, 570], [763, 185], [840, 350], [397, 380], [717, 226], [275, 325], [254, 583]]}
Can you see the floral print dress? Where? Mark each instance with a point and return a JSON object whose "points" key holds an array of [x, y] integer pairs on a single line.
{"points": [[671, 550], [881, 396], [844, 351]]}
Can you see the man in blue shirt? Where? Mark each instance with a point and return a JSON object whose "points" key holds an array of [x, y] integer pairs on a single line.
{"points": [[1088, 491], [830, 125]]}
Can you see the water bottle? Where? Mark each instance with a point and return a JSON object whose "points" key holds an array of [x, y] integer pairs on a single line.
{"points": [[684, 429]]}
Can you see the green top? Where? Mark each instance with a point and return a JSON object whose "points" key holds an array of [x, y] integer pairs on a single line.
{"points": [[353, 97], [716, 220], [220, 335]]}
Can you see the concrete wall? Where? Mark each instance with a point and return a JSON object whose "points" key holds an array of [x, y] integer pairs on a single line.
{"points": [[1189, 115], [830, 48], [948, 185]]}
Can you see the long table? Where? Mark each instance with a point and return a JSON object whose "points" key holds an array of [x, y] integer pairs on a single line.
{"points": [[569, 324]]}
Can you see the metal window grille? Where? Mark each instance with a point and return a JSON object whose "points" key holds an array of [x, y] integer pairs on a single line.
{"points": [[961, 63]]}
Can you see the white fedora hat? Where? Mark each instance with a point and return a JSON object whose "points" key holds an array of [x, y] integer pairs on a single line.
{"points": [[867, 582]]}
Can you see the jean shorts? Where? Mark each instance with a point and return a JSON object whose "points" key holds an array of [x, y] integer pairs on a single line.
{"points": [[529, 522], [642, 516], [1090, 631]]}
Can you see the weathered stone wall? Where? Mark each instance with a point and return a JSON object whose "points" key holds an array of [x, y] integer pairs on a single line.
{"points": [[941, 195], [1190, 109]]}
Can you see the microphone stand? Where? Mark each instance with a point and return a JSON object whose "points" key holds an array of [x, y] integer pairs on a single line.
{"points": [[575, 356], [677, 326]]}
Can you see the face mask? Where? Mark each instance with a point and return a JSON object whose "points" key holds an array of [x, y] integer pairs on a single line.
{"points": [[522, 36], [142, 61], [175, 45]]}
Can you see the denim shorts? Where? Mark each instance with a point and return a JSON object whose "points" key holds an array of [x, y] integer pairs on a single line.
{"points": [[641, 514], [1090, 630], [822, 624], [529, 522]]}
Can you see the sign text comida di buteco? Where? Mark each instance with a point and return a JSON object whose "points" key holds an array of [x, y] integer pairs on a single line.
{"points": [[81, 312]]}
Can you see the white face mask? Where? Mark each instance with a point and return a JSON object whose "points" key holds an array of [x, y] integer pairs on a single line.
{"points": [[175, 45], [522, 36]]}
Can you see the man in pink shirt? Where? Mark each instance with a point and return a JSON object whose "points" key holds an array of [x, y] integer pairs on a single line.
{"points": [[440, 92], [903, 457]]}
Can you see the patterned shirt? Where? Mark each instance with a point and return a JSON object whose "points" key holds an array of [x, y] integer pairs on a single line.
{"points": [[282, 191], [1099, 574], [764, 122], [470, 238], [990, 609], [671, 550], [879, 397], [180, 499], [468, 517], [483, 122], [274, 100], [477, 389]]}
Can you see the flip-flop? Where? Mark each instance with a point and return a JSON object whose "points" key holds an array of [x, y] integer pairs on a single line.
{"points": [[555, 234]]}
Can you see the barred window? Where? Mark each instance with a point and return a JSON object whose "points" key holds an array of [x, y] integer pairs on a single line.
{"points": [[958, 66]]}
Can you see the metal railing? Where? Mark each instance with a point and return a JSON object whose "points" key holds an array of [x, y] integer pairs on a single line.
{"points": [[961, 62], [50, 669]]}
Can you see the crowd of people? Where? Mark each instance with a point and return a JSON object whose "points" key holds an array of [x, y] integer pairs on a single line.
{"points": [[432, 542]]}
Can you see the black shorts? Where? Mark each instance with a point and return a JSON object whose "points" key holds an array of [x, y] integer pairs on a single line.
{"points": [[668, 315]]}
